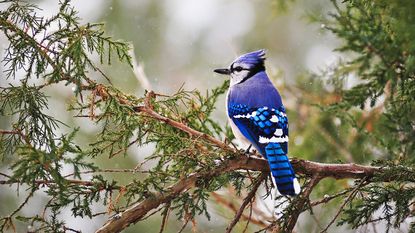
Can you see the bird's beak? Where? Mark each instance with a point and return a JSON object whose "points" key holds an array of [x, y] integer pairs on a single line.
{"points": [[223, 71]]}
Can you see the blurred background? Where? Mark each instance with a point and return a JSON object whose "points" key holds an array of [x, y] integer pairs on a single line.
{"points": [[179, 43]]}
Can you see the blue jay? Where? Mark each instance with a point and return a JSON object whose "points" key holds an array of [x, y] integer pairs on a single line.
{"points": [[257, 117]]}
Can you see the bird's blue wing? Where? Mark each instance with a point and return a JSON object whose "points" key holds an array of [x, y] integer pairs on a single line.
{"points": [[261, 124], [267, 129]]}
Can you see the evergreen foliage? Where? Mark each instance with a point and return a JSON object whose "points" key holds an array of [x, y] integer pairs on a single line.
{"points": [[190, 159], [380, 37]]}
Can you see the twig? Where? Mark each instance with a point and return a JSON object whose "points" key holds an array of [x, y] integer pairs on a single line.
{"points": [[94, 67], [318, 224], [152, 213], [148, 110], [219, 199], [46, 182], [5, 175], [8, 219], [184, 225], [350, 197], [246, 201], [249, 217], [2, 131], [329, 198], [109, 170], [25, 138], [40, 182], [165, 217], [301, 202], [100, 213], [46, 207], [70, 229], [337, 171], [124, 149], [273, 226], [39, 47]]}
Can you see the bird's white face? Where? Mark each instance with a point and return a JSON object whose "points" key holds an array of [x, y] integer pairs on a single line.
{"points": [[238, 72]]}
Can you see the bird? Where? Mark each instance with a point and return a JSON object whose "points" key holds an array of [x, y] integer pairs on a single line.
{"points": [[258, 118]]}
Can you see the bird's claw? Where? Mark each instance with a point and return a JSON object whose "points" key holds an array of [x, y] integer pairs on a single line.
{"points": [[247, 153]]}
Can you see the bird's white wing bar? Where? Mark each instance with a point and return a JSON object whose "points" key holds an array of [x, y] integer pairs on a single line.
{"points": [[249, 115], [264, 140]]}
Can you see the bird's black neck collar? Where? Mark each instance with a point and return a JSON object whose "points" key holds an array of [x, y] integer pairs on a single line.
{"points": [[256, 69]]}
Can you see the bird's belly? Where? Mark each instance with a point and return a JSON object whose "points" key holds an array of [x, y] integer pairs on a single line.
{"points": [[239, 136]]}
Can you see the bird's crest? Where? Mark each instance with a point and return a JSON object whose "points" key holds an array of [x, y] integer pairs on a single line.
{"points": [[244, 67], [253, 58]]}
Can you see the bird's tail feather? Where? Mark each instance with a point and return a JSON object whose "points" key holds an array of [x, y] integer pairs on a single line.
{"points": [[282, 170]]}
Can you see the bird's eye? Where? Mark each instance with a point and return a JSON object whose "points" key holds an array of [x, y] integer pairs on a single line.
{"points": [[238, 69]]}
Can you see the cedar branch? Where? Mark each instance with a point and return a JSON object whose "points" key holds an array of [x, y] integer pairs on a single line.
{"points": [[137, 211]]}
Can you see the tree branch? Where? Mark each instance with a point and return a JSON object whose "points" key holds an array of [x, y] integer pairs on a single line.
{"points": [[46, 182], [148, 110], [137, 211]]}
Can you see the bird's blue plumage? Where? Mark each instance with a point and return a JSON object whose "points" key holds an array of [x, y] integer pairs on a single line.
{"points": [[255, 108], [281, 168]]}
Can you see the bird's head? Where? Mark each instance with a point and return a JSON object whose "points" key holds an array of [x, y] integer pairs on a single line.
{"points": [[245, 67]]}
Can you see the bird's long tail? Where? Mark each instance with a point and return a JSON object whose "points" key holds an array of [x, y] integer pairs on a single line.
{"points": [[282, 170]]}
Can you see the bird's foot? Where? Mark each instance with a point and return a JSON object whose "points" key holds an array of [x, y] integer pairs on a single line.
{"points": [[247, 150], [247, 153]]}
